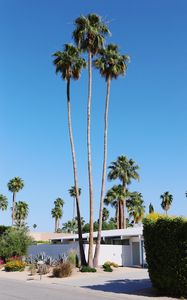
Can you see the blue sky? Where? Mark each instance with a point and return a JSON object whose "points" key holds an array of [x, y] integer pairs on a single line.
{"points": [[147, 118]]}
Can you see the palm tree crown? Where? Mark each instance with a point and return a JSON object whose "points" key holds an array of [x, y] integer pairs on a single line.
{"points": [[125, 169], [167, 199], [15, 184], [3, 202], [72, 191], [21, 212], [110, 63], [69, 63], [135, 206], [90, 32]]}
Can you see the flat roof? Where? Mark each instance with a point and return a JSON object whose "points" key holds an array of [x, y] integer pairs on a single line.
{"points": [[128, 232]]}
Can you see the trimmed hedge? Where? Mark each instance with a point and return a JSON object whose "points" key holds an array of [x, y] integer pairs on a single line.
{"points": [[165, 243]]}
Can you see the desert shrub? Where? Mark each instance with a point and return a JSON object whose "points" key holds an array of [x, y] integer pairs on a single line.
{"points": [[111, 264], [88, 269], [73, 258], [63, 270], [14, 242], [107, 268], [43, 269], [14, 265], [166, 254], [32, 269]]}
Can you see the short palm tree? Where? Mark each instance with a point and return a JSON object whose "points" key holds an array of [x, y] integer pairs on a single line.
{"points": [[135, 206], [72, 192], [69, 64], [111, 65], [57, 212], [21, 212], [115, 197], [3, 202], [89, 35], [151, 208], [167, 200], [14, 186], [125, 170]]}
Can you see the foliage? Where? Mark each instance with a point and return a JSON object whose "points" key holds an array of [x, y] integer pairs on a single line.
{"points": [[107, 268], [166, 254], [43, 269], [154, 216], [167, 200], [63, 270], [14, 242], [3, 202], [87, 269], [57, 212], [15, 265], [73, 258], [151, 208], [32, 269], [47, 259], [135, 206], [15, 184], [112, 264], [3, 228], [21, 213]]}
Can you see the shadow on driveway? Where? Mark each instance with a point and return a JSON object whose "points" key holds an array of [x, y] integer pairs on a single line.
{"points": [[139, 287]]}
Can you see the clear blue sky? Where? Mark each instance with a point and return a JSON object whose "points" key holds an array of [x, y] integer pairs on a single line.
{"points": [[147, 118]]}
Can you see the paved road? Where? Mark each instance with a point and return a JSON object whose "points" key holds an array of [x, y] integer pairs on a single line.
{"points": [[11, 289]]}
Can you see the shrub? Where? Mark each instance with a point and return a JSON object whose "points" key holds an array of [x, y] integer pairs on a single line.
{"points": [[32, 269], [14, 242], [86, 269], [63, 270], [14, 265], [107, 268], [73, 258], [166, 254], [43, 269], [111, 264], [3, 229]]}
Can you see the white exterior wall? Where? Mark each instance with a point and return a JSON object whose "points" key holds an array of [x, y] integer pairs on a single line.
{"points": [[120, 254], [53, 250]]}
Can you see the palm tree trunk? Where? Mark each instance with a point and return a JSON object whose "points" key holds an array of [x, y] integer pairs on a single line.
{"points": [[55, 224], [120, 216], [74, 200], [124, 207], [81, 249], [97, 249], [117, 215], [90, 250], [13, 207]]}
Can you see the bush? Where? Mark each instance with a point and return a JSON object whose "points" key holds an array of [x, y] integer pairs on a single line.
{"points": [[166, 254], [73, 258], [14, 242], [86, 269], [43, 269], [111, 264], [107, 268], [3, 229], [32, 269], [63, 270], [14, 265]]}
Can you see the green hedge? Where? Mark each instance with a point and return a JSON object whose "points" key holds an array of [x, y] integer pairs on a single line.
{"points": [[166, 254]]}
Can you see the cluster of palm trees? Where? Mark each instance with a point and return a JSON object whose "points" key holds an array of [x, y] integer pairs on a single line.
{"points": [[19, 209], [89, 37]]}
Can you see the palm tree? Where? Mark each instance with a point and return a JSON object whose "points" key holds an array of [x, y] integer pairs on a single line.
{"points": [[89, 36], [115, 197], [70, 226], [3, 202], [105, 214], [34, 226], [56, 212], [14, 186], [72, 192], [21, 212], [151, 208], [135, 206], [125, 170], [110, 64], [167, 199], [69, 64]]}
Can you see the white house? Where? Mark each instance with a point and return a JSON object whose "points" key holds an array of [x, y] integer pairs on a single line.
{"points": [[122, 246]]}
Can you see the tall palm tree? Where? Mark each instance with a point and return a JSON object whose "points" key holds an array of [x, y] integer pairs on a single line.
{"points": [[57, 212], [72, 192], [115, 197], [21, 212], [135, 206], [151, 208], [125, 170], [89, 36], [69, 64], [3, 202], [167, 200], [14, 186], [110, 64], [105, 214]]}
